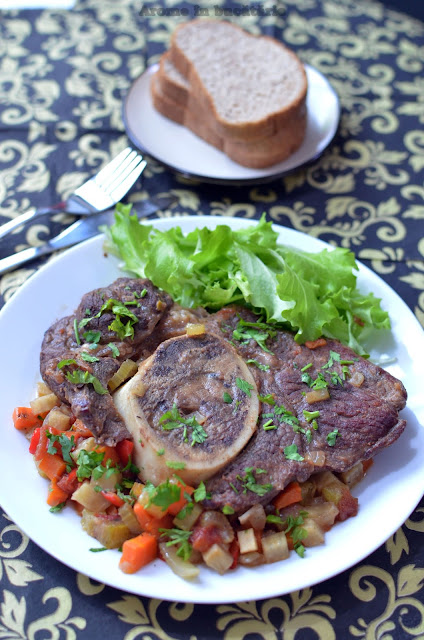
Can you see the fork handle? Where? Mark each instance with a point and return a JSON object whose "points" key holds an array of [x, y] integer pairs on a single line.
{"points": [[31, 214]]}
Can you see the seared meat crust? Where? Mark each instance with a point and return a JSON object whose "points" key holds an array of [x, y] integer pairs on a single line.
{"points": [[98, 411], [366, 417]]}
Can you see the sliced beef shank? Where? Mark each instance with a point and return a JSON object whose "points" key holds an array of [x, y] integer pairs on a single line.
{"points": [[296, 438], [111, 324]]}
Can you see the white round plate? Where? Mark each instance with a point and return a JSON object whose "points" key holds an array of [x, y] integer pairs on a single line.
{"points": [[387, 496], [179, 149]]}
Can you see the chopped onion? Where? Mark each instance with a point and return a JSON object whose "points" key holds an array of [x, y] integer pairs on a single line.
{"points": [[356, 379], [181, 567], [317, 395], [255, 517], [316, 457], [218, 558]]}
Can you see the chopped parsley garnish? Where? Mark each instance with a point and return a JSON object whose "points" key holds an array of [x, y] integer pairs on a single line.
{"points": [[77, 376], [291, 453], [66, 362], [267, 399], [257, 331], [97, 549], [164, 494], [160, 452], [262, 367], [284, 415], [331, 437], [88, 461], [306, 367], [227, 398], [297, 532], [114, 349], [65, 443], [310, 415], [122, 324], [335, 378], [77, 338], [200, 493], [244, 386], [179, 538], [92, 337], [175, 465], [172, 419], [250, 483], [87, 357], [269, 425], [227, 510], [334, 357], [57, 508]]}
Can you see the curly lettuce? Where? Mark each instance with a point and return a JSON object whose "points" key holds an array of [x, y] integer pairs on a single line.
{"points": [[312, 294]]}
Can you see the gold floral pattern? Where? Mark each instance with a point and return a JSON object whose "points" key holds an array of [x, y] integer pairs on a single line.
{"points": [[63, 75]]}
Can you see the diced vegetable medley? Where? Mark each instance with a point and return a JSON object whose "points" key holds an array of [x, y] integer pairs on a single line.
{"points": [[170, 521]]}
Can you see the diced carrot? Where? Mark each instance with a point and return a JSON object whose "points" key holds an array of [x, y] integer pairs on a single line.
{"points": [[24, 419], [150, 524], [69, 482], [79, 427], [176, 507], [52, 465], [125, 450], [110, 454], [113, 498], [314, 344], [290, 495], [56, 495], [137, 552]]}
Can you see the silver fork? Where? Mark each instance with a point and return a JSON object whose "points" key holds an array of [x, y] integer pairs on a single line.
{"points": [[99, 193]]}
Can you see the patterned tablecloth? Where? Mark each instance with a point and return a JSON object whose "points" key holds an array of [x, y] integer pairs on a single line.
{"points": [[63, 75]]}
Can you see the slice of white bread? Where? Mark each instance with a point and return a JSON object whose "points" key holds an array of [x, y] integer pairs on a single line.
{"points": [[252, 85], [257, 153]]}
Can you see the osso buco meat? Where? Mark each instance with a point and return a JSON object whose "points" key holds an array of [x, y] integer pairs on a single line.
{"points": [[234, 402]]}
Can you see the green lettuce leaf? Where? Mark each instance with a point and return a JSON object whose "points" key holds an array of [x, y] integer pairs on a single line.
{"points": [[313, 294]]}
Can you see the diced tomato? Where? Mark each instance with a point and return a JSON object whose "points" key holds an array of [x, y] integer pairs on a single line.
{"points": [[203, 538], [347, 505], [235, 552], [68, 482], [125, 450]]}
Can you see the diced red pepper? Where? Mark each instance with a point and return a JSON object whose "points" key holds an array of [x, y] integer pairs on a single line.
{"points": [[69, 482], [125, 450], [113, 498], [35, 439]]}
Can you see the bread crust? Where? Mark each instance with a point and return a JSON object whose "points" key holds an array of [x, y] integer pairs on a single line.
{"points": [[252, 129], [257, 154]]}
